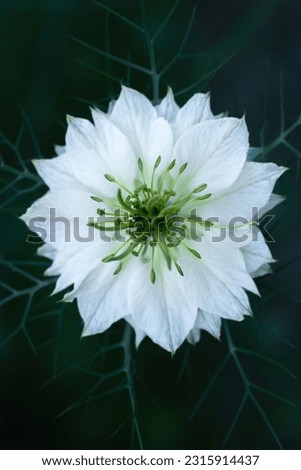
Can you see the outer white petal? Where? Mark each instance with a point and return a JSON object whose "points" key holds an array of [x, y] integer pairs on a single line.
{"points": [[91, 153], [59, 149], [257, 255], [133, 113], [253, 153], [215, 151], [115, 149], [209, 322], [76, 267], [157, 141], [164, 310], [205, 321], [48, 251], [101, 274], [220, 297], [104, 306], [217, 281], [196, 110], [111, 106], [220, 115], [139, 334], [65, 173], [223, 237], [263, 270], [61, 218], [249, 193], [69, 204], [76, 250], [168, 108], [149, 134], [273, 201], [227, 263], [194, 336]]}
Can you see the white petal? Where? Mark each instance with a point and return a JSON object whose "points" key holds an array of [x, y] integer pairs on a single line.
{"points": [[253, 152], [196, 110], [257, 255], [66, 172], [220, 115], [80, 137], [59, 149], [101, 275], [157, 141], [115, 149], [67, 203], [273, 201], [111, 106], [46, 250], [75, 267], [215, 151], [226, 262], [61, 219], [132, 113], [105, 306], [249, 193], [91, 153], [194, 336], [168, 108], [221, 236], [263, 270], [164, 310], [76, 250], [205, 321], [211, 323], [139, 334], [137, 118], [217, 281], [220, 297]]}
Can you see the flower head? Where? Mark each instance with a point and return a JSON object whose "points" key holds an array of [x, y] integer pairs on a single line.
{"points": [[159, 205]]}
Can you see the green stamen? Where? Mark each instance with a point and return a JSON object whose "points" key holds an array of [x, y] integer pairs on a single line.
{"points": [[179, 269], [166, 253], [140, 166], [118, 269], [101, 211], [183, 168], [202, 198], [157, 163], [200, 188], [153, 274], [193, 252], [109, 178], [149, 216], [96, 199]]}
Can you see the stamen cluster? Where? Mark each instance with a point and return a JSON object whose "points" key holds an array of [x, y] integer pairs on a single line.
{"points": [[149, 216]]}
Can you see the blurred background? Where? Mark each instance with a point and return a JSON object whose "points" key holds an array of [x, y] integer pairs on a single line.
{"points": [[58, 391]]}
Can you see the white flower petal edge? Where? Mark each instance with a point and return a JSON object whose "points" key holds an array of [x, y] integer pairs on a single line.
{"points": [[248, 196], [168, 108], [167, 171], [207, 322], [216, 151]]}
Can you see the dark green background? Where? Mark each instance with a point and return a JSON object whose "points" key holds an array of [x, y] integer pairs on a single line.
{"points": [[57, 57]]}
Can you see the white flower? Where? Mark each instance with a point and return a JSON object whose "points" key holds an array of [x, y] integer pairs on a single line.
{"points": [[165, 170]]}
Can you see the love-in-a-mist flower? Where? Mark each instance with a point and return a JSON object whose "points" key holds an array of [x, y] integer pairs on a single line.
{"points": [[139, 218]]}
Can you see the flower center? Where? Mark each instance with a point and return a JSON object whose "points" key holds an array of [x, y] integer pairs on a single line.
{"points": [[150, 217]]}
